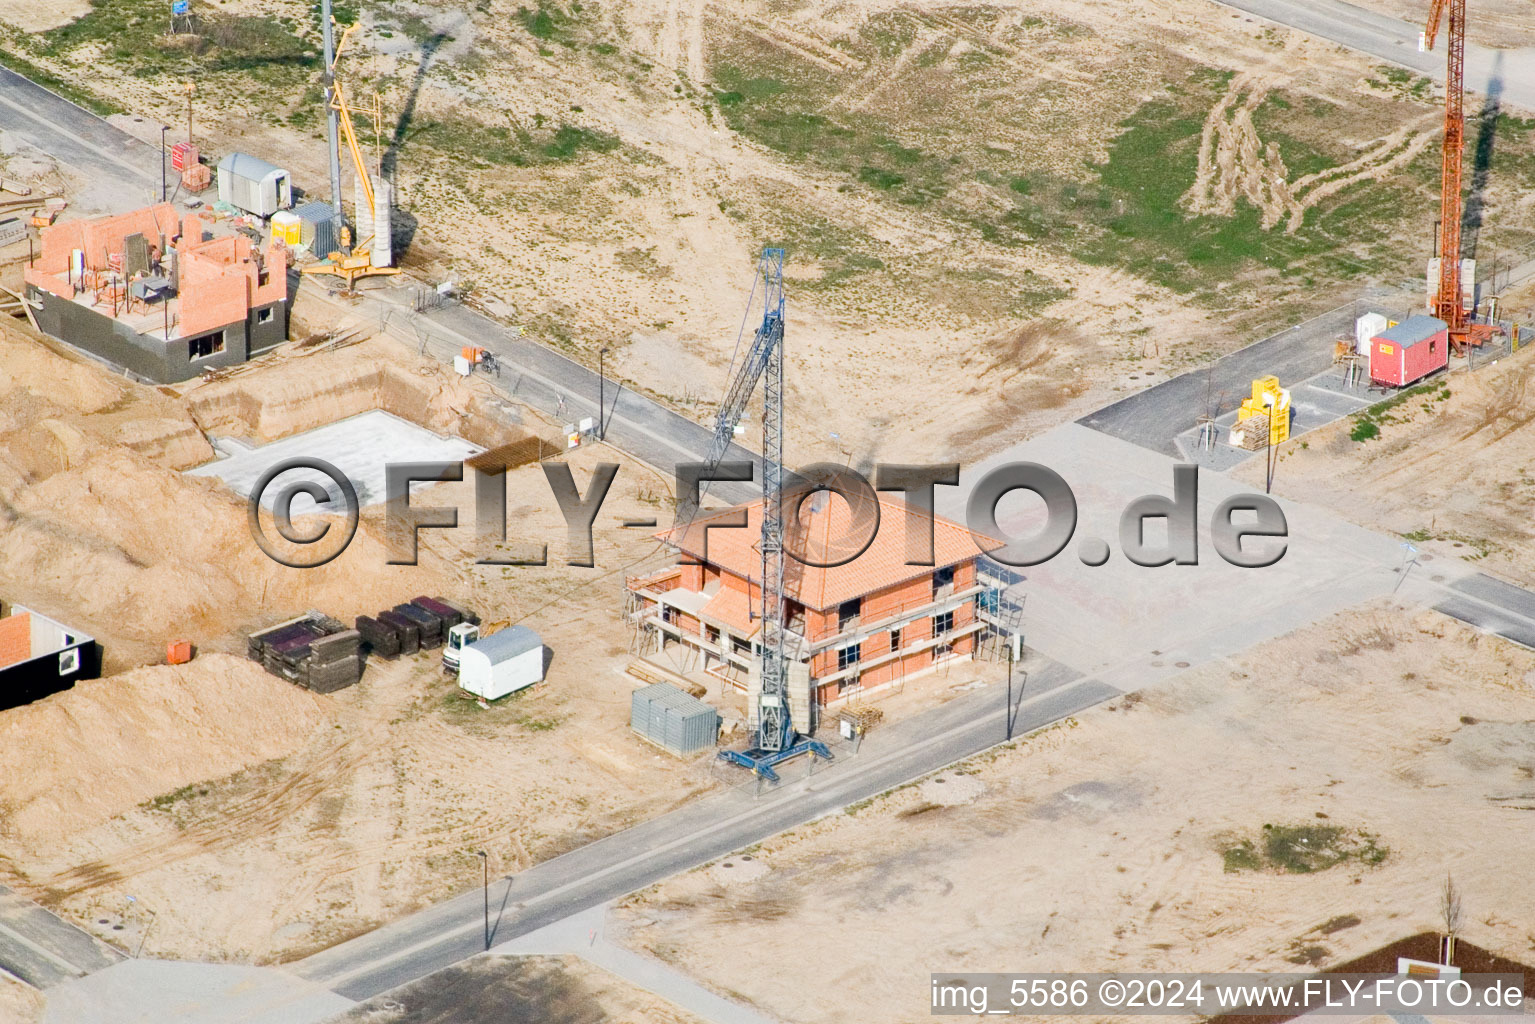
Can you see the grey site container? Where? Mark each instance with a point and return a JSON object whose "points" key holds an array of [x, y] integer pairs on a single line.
{"points": [[318, 230], [669, 718]]}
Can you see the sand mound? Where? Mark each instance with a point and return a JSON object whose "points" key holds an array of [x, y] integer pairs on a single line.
{"points": [[88, 754], [91, 490]]}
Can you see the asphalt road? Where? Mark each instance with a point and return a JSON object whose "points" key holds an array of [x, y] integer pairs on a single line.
{"points": [[555, 384], [1493, 607], [1154, 417], [647, 853], [1509, 73], [77, 137], [43, 950]]}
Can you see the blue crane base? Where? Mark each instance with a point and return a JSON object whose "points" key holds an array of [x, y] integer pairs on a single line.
{"points": [[761, 762]]}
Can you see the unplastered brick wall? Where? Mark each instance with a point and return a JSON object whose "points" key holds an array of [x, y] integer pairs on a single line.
{"points": [[101, 236], [15, 639]]}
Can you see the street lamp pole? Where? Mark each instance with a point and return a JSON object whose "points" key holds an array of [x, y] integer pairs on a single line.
{"points": [[602, 395], [163, 129], [1007, 730], [485, 862]]}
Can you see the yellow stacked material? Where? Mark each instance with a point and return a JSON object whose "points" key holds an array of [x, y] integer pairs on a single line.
{"points": [[1271, 402], [1279, 424]]}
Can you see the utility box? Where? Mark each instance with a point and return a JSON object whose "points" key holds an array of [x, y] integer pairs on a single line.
{"points": [[673, 720], [1409, 351], [502, 663], [251, 184]]}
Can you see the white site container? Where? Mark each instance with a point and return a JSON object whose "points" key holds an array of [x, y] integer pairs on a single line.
{"points": [[502, 663], [251, 184]]}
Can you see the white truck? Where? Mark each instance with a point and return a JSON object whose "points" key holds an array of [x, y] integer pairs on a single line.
{"points": [[459, 637]]}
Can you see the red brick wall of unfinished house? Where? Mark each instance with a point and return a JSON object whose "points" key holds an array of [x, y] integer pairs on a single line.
{"points": [[213, 295], [820, 625], [891, 670], [892, 601], [15, 638], [692, 576], [963, 616]]}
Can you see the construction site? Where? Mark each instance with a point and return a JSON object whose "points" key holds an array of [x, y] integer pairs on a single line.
{"points": [[498, 522]]}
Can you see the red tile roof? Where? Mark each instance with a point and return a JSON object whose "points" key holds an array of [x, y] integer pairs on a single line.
{"points": [[826, 537]]}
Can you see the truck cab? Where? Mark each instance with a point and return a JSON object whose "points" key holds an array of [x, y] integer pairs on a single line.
{"points": [[459, 637]]}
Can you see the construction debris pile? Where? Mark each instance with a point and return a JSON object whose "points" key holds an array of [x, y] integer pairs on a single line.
{"points": [[421, 624], [314, 650]]}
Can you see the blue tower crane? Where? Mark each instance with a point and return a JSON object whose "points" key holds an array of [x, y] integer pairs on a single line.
{"points": [[775, 739]]}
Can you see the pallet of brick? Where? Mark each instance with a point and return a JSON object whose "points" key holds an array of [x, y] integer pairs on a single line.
{"points": [[449, 614], [287, 657], [408, 631], [467, 614], [382, 639], [257, 643], [430, 626], [324, 624], [335, 646], [444, 621], [333, 677]]}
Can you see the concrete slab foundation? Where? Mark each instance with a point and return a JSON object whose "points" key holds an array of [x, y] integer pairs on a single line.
{"points": [[359, 446]]}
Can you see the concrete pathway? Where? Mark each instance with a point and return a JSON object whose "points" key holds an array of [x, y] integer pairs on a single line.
{"points": [[171, 992], [585, 935]]}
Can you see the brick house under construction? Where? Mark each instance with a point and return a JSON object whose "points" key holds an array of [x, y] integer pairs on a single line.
{"points": [[855, 627], [163, 296]]}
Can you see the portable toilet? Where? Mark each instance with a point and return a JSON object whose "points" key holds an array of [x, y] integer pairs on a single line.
{"points": [[1409, 351], [502, 663], [251, 184], [288, 228], [1365, 330]]}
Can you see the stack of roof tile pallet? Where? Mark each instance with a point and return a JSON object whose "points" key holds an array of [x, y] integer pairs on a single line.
{"points": [[421, 624], [314, 650]]}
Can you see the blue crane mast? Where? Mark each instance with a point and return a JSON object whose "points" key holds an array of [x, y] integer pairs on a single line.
{"points": [[776, 739]]}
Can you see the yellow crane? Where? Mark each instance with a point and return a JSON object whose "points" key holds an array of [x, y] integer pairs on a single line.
{"points": [[351, 262]]}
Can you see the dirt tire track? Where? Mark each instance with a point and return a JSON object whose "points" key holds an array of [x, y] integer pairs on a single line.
{"points": [[225, 828], [1234, 162]]}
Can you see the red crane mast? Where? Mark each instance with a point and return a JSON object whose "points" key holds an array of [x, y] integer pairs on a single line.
{"points": [[1447, 300]]}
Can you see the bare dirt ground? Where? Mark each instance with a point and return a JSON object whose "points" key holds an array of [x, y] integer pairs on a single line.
{"points": [[520, 990], [1181, 828], [43, 14], [1449, 468], [380, 812], [19, 1004], [226, 789], [97, 750], [976, 252]]}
